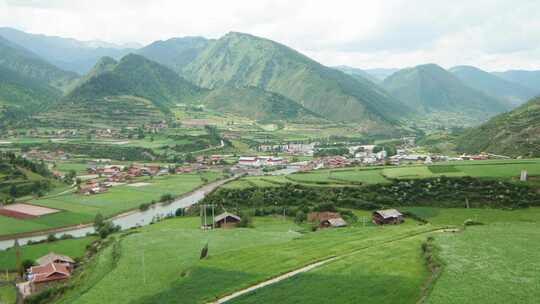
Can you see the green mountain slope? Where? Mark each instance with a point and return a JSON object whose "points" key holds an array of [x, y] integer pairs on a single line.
{"points": [[516, 133], [134, 90], [244, 60], [31, 66], [255, 103], [175, 53], [431, 89], [20, 96], [530, 79], [65, 53], [490, 84], [380, 73], [355, 72]]}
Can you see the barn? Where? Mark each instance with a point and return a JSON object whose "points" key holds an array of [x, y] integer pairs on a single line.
{"points": [[387, 216], [333, 223], [226, 220]]}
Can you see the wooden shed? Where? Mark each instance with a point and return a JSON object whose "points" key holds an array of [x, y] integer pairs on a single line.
{"points": [[226, 220], [387, 216]]}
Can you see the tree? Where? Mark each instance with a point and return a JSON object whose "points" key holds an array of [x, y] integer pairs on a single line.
{"points": [[13, 191]]}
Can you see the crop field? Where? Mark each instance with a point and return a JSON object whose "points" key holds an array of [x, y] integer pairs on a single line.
{"points": [[364, 176], [74, 248], [496, 263], [77, 209], [456, 216], [170, 251], [389, 273]]}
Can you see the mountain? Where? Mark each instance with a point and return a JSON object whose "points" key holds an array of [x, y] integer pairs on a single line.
{"points": [[355, 72], [490, 84], [30, 65], [530, 79], [257, 104], [431, 89], [242, 60], [20, 96], [380, 74], [65, 53], [175, 53], [516, 133], [132, 91]]}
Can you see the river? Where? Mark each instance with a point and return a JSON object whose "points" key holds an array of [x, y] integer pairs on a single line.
{"points": [[130, 219]]}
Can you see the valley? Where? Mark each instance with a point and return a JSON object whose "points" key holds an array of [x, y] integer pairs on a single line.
{"points": [[237, 169]]}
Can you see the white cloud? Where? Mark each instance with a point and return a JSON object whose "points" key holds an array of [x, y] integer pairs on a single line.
{"points": [[493, 34]]}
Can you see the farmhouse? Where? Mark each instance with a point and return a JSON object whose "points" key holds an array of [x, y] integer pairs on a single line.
{"points": [[44, 276], [52, 257], [322, 216], [226, 220], [259, 161], [388, 216]]}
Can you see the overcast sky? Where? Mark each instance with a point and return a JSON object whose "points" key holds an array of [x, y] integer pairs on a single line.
{"points": [[491, 34]]}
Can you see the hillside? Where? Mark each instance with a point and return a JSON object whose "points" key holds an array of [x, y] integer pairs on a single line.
{"points": [[134, 90], [257, 104], [20, 96], [244, 60], [30, 65], [380, 73], [175, 53], [490, 84], [431, 89], [65, 53], [516, 133], [530, 79], [355, 72]]}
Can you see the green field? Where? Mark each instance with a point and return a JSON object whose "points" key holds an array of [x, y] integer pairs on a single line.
{"points": [[74, 248], [8, 293], [77, 209], [489, 264], [172, 267]]}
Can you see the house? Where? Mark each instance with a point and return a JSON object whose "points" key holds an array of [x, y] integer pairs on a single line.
{"points": [[388, 216], [226, 220], [333, 223], [45, 276], [52, 257], [322, 216], [248, 161]]}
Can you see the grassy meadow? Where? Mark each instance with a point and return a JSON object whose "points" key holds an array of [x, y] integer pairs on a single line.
{"points": [[77, 209]]}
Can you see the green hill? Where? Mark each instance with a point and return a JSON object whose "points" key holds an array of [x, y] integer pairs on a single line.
{"points": [[175, 53], [529, 79], [255, 103], [134, 90], [244, 60], [430, 89], [65, 53], [516, 133], [355, 72], [20, 96], [490, 84], [31, 66]]}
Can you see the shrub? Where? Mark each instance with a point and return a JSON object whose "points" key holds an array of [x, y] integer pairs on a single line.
{"points": [[28, 263], [300, 217], [471, 222], [144, 206], [51, 238]]}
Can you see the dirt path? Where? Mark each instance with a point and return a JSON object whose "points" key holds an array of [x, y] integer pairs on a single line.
{"points": [[274, 280], [313, 266]]}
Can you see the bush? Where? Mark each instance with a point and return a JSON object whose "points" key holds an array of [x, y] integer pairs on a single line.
{"points": [[28, 263], [144, 206], [245, 221], [167, 197], [300, 217], [179, 212], [51, 238]]}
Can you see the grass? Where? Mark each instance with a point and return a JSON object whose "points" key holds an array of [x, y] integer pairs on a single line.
{"points": [[77, 209], [172, 266], [497, 263], [74, 248], [390, 273], [8, 294], [456, 216]]}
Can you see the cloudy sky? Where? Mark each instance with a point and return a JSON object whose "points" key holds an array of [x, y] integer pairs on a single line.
{"points": [[491, 34]]}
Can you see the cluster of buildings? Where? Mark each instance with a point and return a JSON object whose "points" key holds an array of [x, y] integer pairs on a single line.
{"points": [[261, 161], [291, 149], [35, 154], [326, 219]]}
